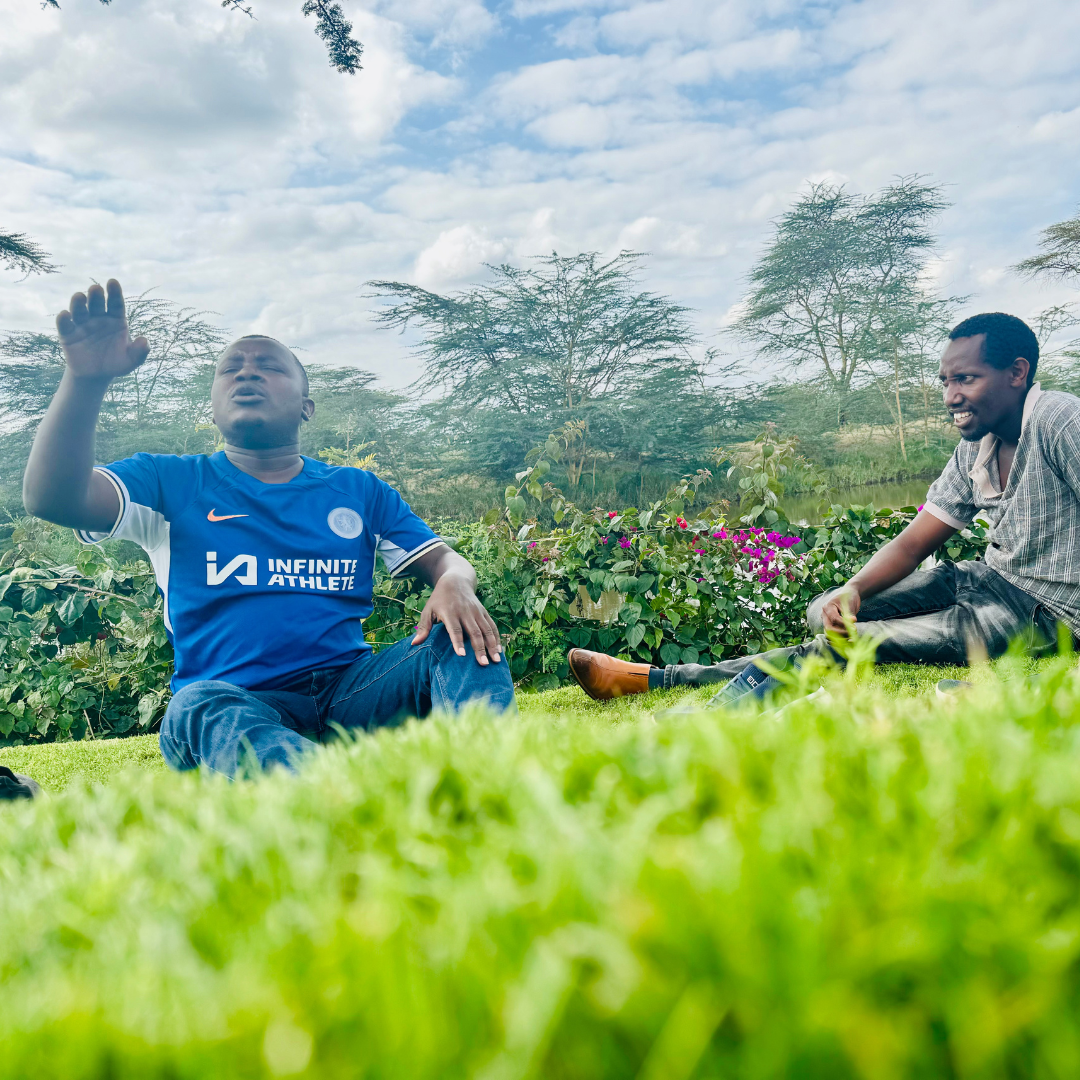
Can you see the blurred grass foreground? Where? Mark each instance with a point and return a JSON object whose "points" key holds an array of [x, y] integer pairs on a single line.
{"points": [[866, 885]]}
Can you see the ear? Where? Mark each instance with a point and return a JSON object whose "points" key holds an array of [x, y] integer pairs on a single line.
{"points": [[1018, 373], [307, 410]]}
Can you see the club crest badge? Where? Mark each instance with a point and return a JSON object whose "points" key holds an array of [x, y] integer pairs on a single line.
{"points": [[345, 523]]}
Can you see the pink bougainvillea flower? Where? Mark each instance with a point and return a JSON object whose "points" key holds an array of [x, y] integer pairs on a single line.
{"points": [[699, 551], [546, 559], [920, 508], [603, 539], [624, 542], [681, 522], [611, 514], [721, 535], [532, 544]]}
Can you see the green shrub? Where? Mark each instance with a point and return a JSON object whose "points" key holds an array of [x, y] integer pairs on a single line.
{"points": [[681, 588], [84, 646], [860, 889]]}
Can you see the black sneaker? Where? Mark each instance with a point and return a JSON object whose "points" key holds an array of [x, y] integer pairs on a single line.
{"points": [[14, 785], [950, 689]]}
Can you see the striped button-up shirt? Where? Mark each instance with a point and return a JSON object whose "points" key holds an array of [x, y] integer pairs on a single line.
{"points": [[1035, 520]]}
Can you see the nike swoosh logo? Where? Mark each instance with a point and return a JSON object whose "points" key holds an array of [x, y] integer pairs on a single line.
{"points": [[224, 517]]}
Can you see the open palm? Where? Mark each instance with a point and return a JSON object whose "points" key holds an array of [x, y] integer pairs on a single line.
{"points": [[94, 334]]}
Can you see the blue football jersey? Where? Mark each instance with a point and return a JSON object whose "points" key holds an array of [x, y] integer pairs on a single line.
{"points": [[262, 582]]}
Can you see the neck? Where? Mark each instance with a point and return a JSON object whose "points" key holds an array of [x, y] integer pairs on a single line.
{"points": [[1008, 431], [271, 464]]}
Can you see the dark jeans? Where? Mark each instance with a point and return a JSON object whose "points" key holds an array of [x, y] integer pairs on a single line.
{"points": [[218, 725], [938, 616]]}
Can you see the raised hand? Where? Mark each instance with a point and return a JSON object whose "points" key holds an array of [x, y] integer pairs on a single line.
{"points": [[94, 335]]}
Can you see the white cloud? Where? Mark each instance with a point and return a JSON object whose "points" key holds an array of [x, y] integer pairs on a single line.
{"points": [[221, 159], [457, 254]]}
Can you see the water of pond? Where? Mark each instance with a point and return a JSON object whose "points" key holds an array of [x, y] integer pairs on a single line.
{"points": [[806, 508]]}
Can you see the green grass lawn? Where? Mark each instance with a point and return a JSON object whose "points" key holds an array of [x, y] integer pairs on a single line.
{"points": [[869, 884], [55, 765]]}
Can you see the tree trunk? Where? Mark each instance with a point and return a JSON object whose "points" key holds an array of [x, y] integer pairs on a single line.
{"points": [[899, 410]]}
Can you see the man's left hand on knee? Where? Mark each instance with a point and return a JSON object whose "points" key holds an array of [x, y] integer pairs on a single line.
{"points": [[454, 603]]}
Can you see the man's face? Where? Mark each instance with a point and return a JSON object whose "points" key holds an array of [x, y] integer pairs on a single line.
{"points": [[979, 396], [258, 397]]}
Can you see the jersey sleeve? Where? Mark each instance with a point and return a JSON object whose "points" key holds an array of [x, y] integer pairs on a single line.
{"points": [[951, 497], [403, 537], [141, 518]]}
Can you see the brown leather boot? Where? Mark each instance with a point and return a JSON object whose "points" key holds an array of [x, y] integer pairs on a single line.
{"points": [[603, 677]]}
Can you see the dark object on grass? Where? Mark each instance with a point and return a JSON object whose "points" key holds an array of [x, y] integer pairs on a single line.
{"points": [[14, 785]]}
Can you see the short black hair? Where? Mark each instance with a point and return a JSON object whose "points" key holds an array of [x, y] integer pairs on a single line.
{"points": [[267, 337], [1007, 339]]}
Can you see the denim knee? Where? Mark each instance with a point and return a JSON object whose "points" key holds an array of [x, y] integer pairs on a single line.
{"points": [[814, 621], [185, 703], [492, 681]]}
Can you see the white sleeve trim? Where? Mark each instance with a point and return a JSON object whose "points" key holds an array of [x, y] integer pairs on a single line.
{"points": [[397, 560], [941, 515], [86, 537]]}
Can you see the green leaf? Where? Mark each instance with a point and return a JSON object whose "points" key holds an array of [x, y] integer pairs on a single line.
{"points": [[7, 722], [670, 653], [73, 605], [629, 614], [148, 704], [689, 656], [33, 598], [635, 634]]}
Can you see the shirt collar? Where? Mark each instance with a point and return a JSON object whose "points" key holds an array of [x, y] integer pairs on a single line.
{"points": [[988, 444]]}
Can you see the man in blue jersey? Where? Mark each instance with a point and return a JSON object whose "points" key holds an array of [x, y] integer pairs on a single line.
{"points": [[264, 558]]}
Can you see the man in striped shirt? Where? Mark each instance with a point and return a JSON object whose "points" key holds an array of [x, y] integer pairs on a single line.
{"points": [[1017, 465]]}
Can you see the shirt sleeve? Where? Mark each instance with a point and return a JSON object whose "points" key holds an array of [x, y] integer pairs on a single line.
{"points": [[1061, 439], [951, 498], [403, 537], [141, 517]]}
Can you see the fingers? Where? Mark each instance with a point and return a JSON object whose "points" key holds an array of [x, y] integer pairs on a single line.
{"points": [[457, 638], [138, 350], [115, 297], [65, 324], [491, 635], [79, 311], [423, 627], [95, 300], [476, 639]]}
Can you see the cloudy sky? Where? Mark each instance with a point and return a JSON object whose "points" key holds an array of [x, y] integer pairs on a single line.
{"points": [[221, 160]]}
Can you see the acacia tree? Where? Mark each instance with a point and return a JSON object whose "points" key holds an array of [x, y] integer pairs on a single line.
{"points": [[19, 253], [332, 27], [827, 294], [1060, 258], [543, 345]]}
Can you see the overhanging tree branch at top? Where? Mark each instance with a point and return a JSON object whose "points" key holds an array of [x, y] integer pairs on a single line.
{"points": [[334, 30], [20, 253]]}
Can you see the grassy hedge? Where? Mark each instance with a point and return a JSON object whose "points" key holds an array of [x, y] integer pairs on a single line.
{"points": [[859, 889]]}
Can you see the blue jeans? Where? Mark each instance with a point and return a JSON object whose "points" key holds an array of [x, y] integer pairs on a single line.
{"points": [[220, 726]]}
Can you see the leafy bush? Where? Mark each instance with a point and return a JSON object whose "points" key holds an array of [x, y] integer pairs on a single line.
{"points": [[678, 587], [82, 647], [865, 889]]}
